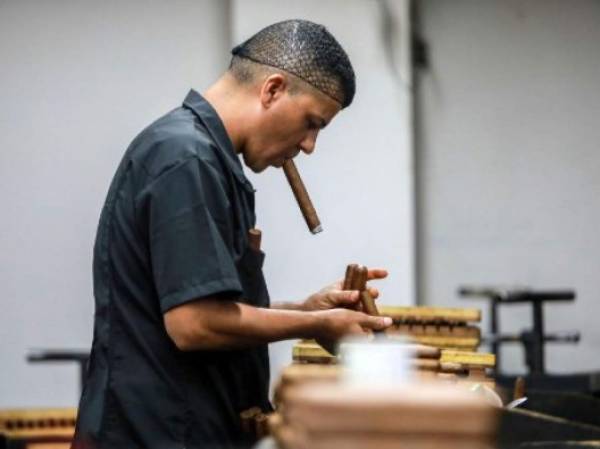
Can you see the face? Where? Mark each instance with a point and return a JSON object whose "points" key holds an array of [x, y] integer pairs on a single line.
{"points": [[286, 123]]}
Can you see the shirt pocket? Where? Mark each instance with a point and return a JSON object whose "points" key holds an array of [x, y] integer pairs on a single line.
{"points": [[252, 278]]}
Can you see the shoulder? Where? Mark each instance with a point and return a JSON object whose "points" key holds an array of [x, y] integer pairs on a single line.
{"points": [[174, 139]]}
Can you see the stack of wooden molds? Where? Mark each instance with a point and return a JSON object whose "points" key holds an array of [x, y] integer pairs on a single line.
{"points": [[421, 416], [448, 333]]}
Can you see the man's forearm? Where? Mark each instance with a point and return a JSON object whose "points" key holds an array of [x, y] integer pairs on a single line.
{"points": [[217, 324], [281, 305]]}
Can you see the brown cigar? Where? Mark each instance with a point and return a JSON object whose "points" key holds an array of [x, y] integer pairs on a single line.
{"points": [[261, 421], [367, 301], [254, 238], [247, 418], [360, 279], [306, 206], [519, 390], [351, 271]]}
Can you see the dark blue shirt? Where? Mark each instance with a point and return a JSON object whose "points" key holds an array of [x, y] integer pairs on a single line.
{"points": [[173, 229]]}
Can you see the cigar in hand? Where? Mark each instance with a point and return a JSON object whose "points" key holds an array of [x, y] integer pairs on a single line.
{"points": [[356, 279], [306, 207]]}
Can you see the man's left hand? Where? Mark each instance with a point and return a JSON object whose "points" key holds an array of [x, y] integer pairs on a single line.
{"points": [[333, 296]]}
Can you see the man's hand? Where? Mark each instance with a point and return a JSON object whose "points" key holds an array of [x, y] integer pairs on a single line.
{"points": [[339, 323], [333, 296]]}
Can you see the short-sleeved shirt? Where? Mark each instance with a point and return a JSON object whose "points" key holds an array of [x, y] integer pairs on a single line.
{"points": [[174, 229]]}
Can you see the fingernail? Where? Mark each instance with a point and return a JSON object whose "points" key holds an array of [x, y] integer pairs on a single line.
{"points": [[387, 321]]}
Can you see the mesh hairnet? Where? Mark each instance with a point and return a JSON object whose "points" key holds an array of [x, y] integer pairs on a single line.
{"points": [[306, 50]]}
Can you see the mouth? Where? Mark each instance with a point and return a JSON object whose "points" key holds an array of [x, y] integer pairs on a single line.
{"points": [[278, 163]]}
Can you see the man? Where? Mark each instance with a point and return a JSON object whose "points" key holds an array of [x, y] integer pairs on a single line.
{"points": [[182, 311]]}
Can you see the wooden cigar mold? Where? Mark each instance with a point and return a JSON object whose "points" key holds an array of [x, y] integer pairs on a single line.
{"points": [[44, 428], [422, 416], [301, 194], [466, 365], [444, 340], [443, 327], [448, 358]]}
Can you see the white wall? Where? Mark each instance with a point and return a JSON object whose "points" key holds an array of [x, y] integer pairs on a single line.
{"points": [[360, 176], [509, 160], [78, 80]]}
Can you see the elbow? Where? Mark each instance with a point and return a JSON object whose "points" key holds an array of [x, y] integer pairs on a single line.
{"points": [[179, 336], [191, 327], [197, 340], [182, 341], [190, 335], [186, 333]]}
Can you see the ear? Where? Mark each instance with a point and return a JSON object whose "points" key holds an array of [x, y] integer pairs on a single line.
{"points": [[273, 88]]}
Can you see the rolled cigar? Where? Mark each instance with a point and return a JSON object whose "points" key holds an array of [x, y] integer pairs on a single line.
{"points": [[247, 418], [261, 421], [359, 281], [351, 271], [367, 301], [519, 390], [254, 238], [306, 207]]}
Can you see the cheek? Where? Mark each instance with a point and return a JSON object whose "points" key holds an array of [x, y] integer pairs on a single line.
{"points": [[285, 135]]}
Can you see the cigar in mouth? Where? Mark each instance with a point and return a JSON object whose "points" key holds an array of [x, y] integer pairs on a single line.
{"points": [[306, 207]]}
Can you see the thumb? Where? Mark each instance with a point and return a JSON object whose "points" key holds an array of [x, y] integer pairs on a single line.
{"points": [[377, 322]]}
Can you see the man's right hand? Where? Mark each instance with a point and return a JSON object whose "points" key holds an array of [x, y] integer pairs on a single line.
{"points": [[336, 324]]}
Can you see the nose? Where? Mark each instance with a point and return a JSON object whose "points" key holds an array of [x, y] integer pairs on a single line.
{"points": [[308, 143]]}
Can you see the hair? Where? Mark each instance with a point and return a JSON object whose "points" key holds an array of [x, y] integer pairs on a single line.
{"points": [[301, 48]]}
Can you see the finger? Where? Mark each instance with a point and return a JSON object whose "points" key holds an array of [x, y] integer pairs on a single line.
{"points": [[343, 297], [376, 323], [373, 292], [376, 273]]}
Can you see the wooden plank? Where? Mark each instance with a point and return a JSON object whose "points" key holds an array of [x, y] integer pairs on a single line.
{"points": [[444, 342], [432, 314], [468, 359], [38, 423], [311, 352]]}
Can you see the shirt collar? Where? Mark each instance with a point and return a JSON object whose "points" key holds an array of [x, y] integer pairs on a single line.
{"points": [[211, 120]]}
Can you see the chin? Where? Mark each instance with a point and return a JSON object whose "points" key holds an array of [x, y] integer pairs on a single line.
{"points": [[256, 167]]}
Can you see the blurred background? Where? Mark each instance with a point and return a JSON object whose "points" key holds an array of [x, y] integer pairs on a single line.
{"points": [[469, 157]]}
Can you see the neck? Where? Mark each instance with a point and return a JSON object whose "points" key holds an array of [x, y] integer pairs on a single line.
{"points": [[224, 96]]}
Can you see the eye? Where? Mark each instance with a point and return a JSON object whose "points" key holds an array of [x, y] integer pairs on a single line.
{"points": [[312, 124]]}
